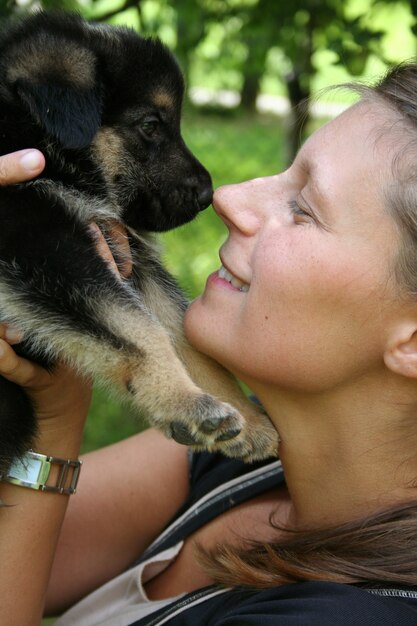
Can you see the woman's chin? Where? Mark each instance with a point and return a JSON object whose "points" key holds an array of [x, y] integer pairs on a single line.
{"points": [[200, 329], [192, 322]]}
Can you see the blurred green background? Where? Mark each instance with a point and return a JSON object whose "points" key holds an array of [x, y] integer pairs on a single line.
{"points": [[254, 69]]}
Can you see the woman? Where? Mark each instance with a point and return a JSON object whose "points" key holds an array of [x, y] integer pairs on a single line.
{"points": [[324, 332]]}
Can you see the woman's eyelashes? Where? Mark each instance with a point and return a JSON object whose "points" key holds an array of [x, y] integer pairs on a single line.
{"points": [[300, 214]]}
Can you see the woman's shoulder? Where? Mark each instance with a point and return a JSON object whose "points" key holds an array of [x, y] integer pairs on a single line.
{"points": [[217, 484]]}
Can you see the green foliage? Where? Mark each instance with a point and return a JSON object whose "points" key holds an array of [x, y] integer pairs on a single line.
{"points": [[109, 421], [10, 7]]}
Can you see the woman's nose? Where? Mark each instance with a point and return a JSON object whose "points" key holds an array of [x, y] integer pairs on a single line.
{"points": [[238, 206]]}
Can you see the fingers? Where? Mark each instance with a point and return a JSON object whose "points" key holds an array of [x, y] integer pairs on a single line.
{"points": [[60, 394], [20, 166], [19, 370], [15, 368], [11, 334], [118, 235], [103, 248]]}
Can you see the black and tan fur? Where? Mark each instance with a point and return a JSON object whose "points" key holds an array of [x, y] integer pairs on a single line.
{"points": [[103, 105]]}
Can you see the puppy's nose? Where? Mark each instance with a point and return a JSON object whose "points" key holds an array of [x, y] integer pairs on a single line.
{"points": [[204, 198]]}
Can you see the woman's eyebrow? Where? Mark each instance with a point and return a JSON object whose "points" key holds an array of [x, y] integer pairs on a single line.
{"points": [[319, 205], [311, 172]]}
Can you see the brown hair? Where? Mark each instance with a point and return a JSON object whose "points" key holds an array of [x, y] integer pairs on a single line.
{"points": [[375, 550], [382, 548]]}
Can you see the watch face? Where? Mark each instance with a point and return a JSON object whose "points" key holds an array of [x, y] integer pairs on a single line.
{"points": [[29, 469], [32, 470]]}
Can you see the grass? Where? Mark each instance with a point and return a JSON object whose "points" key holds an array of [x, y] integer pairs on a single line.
{"points": [[233, 148]]}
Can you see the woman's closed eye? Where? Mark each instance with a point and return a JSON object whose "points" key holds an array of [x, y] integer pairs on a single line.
{"points": [[301, 216]]}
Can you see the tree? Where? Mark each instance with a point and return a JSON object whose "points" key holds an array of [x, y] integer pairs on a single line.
{"points": [[299, 29], [10, 7]]}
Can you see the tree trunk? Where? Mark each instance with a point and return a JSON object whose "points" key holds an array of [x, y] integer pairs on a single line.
{"points": [[250, 91], [299, 116], [298, 85], [253, 70]]}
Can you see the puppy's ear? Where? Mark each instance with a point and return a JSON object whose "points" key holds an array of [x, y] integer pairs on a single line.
{"points": [[58, 80], [68, 112]]}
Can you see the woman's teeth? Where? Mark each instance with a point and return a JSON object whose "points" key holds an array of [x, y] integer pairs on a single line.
{"points": [[223, 273]]}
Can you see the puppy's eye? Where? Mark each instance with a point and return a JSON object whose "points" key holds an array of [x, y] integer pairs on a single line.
{"points": [[149, 125]]}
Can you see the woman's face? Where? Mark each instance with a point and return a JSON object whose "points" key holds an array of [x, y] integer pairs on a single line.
{"points": [[311, 252]]}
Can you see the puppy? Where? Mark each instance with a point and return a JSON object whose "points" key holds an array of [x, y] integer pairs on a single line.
{"points": [[103, 105]]}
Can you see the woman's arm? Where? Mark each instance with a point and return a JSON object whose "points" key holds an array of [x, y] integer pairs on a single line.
{"points": [[31, 521], [29, 526], [126, 493]]}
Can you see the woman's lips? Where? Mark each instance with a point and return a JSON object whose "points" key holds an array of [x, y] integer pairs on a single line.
{"points": [[226, 278]]}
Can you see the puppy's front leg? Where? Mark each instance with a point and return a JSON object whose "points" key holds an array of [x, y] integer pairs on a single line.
{"points": [[149, 373], [258, 438]]}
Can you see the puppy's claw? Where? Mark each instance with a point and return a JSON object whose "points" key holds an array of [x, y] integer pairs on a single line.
{"points": [[211, 424], [229, 434], [181, 434]]}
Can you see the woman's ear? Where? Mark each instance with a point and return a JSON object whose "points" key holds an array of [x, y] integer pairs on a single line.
{"points": [[400, 355]]}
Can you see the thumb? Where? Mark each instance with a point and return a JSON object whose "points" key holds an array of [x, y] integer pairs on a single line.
{"points": [[20, 166]]}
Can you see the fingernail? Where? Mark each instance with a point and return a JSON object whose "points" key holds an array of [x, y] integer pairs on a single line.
{"points": [[13, 335], [31, 161]]}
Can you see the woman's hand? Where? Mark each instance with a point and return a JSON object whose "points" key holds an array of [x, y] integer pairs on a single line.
{"points": [[117, 233], [30, 523], [20, 166], [60, 397]]}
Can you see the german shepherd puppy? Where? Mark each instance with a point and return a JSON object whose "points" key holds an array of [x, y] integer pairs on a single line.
{"points": [[103, 104]]}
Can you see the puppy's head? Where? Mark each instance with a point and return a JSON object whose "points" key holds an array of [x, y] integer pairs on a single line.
{"points": [[107, 92], [159, 183]]}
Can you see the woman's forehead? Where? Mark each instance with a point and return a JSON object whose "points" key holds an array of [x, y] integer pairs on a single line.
{"points": [[360, 137]]}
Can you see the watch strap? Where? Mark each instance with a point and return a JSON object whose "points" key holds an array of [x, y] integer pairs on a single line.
{"points": [[44, 473]]}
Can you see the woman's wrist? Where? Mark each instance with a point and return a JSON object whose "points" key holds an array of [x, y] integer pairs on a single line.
{"points": [[61, 436], [51, 466]]}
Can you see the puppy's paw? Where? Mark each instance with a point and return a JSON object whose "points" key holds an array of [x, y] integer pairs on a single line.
{"points": [[181, 433], [204, 420], [206, 423], [257, 440]]}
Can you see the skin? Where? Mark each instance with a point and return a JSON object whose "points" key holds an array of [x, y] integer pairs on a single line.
{"points": [[313, 335], [324, 336]]}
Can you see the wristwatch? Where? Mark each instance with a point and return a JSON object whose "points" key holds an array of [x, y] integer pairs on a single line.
{"points": [[44, 473]]}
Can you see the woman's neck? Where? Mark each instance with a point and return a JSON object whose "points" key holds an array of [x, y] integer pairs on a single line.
{"points": [[345, 454]]}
